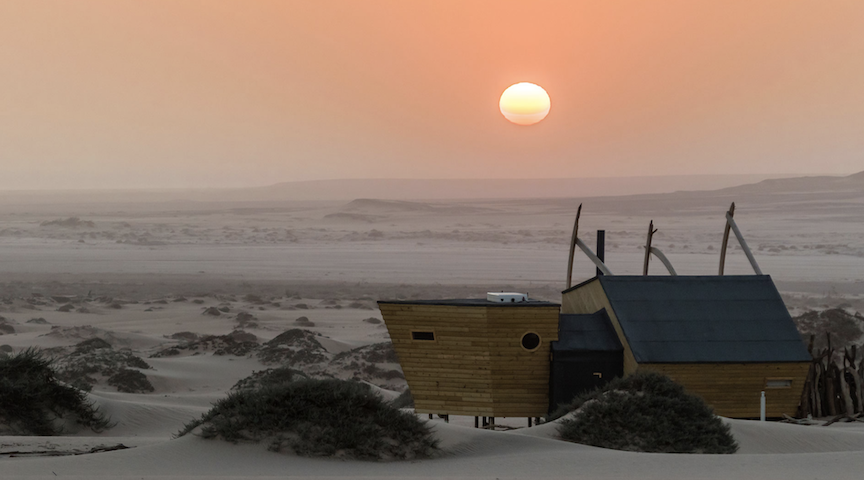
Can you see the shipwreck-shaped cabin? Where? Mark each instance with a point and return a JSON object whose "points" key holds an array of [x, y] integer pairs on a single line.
{"points": [[724, 338], [479, 357]]}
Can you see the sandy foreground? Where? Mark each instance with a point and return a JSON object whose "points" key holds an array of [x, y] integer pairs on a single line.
{"points": [[138, 275]]}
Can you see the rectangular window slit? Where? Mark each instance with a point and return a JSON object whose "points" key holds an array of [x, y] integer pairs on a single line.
{"points": [[423, 336], [778, 383]]}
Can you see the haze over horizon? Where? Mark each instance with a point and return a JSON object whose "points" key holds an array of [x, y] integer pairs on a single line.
{"points": [[121, 94]]}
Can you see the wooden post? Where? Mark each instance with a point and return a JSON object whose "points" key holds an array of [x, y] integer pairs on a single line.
{"points": [[529, 422], [651, 233], [430, 416], [817, 391], [830, 380], [851, 372], [476, 422], [573, 247], [730, 213]]}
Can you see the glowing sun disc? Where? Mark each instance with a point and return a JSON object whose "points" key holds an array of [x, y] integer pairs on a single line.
{"points": [[524, 103]]}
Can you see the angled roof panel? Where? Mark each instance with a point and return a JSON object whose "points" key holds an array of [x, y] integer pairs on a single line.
{"points": [[684, 319], [586, 332]]}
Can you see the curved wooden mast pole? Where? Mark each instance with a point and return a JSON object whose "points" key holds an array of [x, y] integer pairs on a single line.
{"points": [[731, 213], [573, 247]]}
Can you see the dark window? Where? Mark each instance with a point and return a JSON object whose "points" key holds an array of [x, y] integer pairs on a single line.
{"points": [[530, 341], [423, 336], [778, 383]]}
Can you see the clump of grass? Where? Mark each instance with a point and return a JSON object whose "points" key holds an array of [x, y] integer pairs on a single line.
{"points": [[645, 412], [269, 377], [34, 402], [318, 418]]}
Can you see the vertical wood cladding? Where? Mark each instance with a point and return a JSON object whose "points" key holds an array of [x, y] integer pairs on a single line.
{"points": [[476, 365]]}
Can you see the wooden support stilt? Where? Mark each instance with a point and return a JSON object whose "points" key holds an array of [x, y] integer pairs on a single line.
{"points": [[476, 422], [430, 416], [573, 247], [529, 422], [446, 418]]}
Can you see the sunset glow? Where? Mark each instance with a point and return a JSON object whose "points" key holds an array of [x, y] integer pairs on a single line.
{"points": [[524, 103], [221, 93]]}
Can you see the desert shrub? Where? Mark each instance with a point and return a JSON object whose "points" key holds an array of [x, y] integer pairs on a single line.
{"points": [[34, 402], [130, 381], [237, 343], [318, 418], [94, 358], [294, 347], [304, 322], [844, 328], [371, 363], [645, 412], [269, 377]]}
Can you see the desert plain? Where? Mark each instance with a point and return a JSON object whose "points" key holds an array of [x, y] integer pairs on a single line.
{"points": [[197, 292]]}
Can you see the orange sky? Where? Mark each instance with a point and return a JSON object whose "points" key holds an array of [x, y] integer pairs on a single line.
{"points": [[199, 93]]}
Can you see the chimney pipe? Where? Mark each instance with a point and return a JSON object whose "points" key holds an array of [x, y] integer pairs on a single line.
{"points": [[601, 248]]}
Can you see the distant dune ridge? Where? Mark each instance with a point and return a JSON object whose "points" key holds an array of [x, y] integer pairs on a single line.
{"points": [[851, 183], [416, 189]]}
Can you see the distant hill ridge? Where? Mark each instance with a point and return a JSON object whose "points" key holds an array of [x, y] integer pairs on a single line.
{"points": [[423, 191], [851, 183]]}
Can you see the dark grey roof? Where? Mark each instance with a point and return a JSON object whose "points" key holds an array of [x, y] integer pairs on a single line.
{"points": [[472, 302], [693, 319], [588, 332]]}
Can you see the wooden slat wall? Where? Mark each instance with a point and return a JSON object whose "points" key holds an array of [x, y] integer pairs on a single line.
{"points": [[591, 298], [476, 366], [521, 383], [734, 390]]}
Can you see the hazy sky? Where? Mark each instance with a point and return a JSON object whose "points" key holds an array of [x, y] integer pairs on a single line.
{"points": [[214, 93]]}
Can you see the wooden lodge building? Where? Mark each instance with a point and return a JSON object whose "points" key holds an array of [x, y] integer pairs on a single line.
{"points": [[727, 339], [724, 338], [474, 357]]}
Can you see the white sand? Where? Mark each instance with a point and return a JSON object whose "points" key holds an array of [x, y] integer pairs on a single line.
{"points": [[215, 251]]}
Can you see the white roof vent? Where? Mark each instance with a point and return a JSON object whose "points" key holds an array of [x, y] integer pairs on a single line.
{"points": [[506, 297]]}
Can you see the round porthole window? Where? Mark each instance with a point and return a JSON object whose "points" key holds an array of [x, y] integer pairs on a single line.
{"points": [[530, 341]]}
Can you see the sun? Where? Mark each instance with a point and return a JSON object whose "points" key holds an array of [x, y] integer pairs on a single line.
{"points": [[524, 103]]}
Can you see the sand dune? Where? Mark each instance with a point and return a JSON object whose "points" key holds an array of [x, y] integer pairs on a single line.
{"points": [[139, 276], [471, 454]]}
